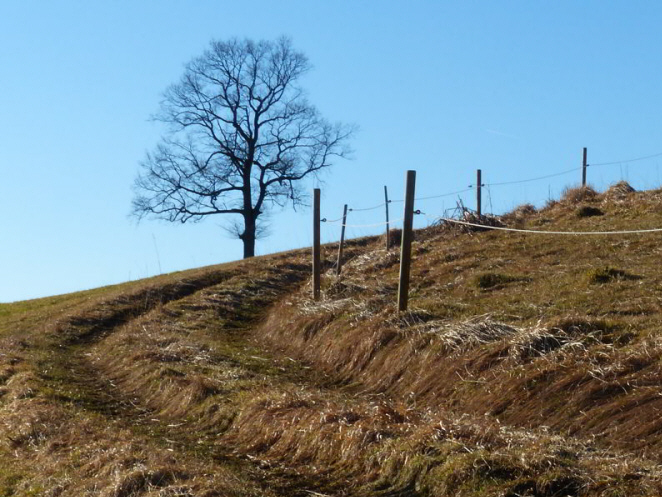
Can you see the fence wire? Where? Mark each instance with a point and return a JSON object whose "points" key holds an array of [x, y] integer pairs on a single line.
{"points": [[637, 159], [542, 232], [488, 185]]}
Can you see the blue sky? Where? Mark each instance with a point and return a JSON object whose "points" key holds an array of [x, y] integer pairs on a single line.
{"points": [[515, 88]]}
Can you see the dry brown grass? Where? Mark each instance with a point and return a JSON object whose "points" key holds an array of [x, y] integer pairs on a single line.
{"points": [[72, 432], [619, 191], [231, 381], [519, 215], [354, 338], [578, 194]]}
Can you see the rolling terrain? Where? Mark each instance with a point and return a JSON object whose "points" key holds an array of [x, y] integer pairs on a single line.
{"points": [[527, 365]]}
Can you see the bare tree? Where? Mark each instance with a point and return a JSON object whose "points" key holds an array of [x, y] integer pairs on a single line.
{"points": [[241, 137]]}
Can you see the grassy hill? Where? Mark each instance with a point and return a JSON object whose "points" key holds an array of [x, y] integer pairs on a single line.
{"points": [[527, 365]]}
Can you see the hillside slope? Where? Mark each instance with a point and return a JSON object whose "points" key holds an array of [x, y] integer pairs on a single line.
{"points": [[527, 365]]}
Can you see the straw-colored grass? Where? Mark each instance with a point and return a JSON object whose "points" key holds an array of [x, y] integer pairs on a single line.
{"points": [[525, 366]]}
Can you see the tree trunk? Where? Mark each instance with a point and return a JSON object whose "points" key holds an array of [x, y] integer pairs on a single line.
{"points": [[248, 236]]}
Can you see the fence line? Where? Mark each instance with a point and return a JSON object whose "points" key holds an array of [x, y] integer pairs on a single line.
{"points": [[384, 223], [542, 232], [450, 194], [574, 169], [408, 221], [503, 183], [368, 208]]}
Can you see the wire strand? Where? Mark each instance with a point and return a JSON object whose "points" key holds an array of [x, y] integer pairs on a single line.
{"points": [[502, 183], [367, 208], [624, 161], [517, 230], [399, 201], [534, 179], [331, 221], [444, 194], [373, 225]]}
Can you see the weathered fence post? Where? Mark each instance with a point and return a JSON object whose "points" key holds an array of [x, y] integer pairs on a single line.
{"points": [[584, 165], [342, 240], [478, 193], [316, 244], [405, 248], [388, 229]]}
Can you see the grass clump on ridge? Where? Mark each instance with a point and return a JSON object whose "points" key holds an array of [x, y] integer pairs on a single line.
{"points": [[578, 194]]}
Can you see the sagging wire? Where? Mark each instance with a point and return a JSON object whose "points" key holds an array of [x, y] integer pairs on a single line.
{"points": [[331, 221], [355, 209], [659, 154], [443, 194], [488, 185], [372, 225], [538, 178]]}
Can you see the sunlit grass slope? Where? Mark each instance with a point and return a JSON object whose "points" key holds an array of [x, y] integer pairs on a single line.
{"points": [[527, 365]]}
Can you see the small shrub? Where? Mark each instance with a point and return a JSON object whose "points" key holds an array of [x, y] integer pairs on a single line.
{"points": [[589, 211]]}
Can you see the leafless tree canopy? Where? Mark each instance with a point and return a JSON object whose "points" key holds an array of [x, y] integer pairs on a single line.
{"points": [[242, 135]]}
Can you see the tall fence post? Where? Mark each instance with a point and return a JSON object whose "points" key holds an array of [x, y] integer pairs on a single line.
{"points": [[316, 244], [342, 241], [405, 248], [388, 229], [478, 193], [584, 166]]}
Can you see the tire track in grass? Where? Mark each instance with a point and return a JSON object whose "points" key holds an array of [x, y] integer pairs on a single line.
{"points": [[75, 380]]}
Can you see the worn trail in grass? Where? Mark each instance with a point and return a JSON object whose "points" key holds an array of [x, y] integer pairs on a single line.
{"points": [[72, 431], [83, 377]]}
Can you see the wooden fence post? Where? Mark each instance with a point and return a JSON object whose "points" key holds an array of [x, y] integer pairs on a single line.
{"points": [[388, 230], [405, 248], [584, 167], [316, 244], [342, 240], [478, 193]]}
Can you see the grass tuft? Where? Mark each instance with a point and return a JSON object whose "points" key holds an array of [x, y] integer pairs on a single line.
{"points": [[619, 190], [518, 215], [486, 281], [608, 274], [578, 194], [139, 481]]}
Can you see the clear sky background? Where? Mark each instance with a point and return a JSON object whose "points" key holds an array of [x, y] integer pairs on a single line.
{"points": [[515, 88]]}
